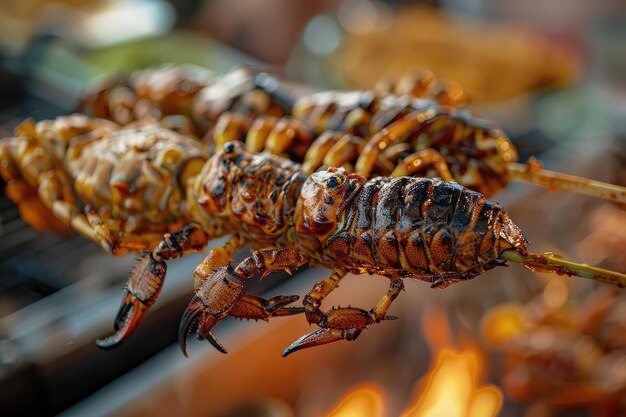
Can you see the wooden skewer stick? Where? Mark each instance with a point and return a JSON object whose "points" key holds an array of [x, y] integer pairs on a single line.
{"points": [[553, 263], [534, 174]]}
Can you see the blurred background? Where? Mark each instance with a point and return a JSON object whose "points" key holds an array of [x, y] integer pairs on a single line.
{"points": [[552, 73]]}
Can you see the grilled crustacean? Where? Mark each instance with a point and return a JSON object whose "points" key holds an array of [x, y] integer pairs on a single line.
{"points": [[368, 132], [188, 99], [421, 137], [407, 136], [163, 93], [145, 188], [142, 188], [180, 95], [416, 137]]}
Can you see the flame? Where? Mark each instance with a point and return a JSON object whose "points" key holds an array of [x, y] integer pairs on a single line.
{"points": [[362, 401], [452, 387]]}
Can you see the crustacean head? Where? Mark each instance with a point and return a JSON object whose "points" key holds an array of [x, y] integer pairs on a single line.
{"points": [[259, 190], [323, 198], [216, 178]]}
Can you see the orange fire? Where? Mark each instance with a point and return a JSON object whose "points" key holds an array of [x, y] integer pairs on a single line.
{"points": [[363, 401], [452, 387]]}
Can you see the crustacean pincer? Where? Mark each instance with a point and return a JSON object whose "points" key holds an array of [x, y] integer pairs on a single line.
{"points": [[145, 283], [340, 323], [222, 294]]}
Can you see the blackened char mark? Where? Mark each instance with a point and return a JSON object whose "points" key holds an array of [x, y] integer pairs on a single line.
{"points": [[364, 203], [468, 202], [488, 213], [389, 204], [414, 194], [440, 208]]}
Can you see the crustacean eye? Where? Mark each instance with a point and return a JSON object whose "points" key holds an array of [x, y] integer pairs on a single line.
{"points": [[334, 182], [229, 147]]}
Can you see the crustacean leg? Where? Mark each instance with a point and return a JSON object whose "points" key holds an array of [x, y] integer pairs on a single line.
{"points": [[336, 149], [32, 209], [349, 112], [229, 127], [313, 300], [38, 185], [221, 293], [479, 149], [421, 160], [144, 285], [314, 158], [279, 136], [266, 133], [397, 131], [342, 323]]}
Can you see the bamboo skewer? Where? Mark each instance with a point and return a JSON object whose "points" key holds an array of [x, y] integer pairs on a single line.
{"points": [[551, 262], [533, 173]]}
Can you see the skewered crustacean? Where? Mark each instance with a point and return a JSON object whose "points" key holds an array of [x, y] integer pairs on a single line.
{"points": [[395, 126], [398, 136], [429, 139], [163, 93], [180, 95], [423, 138], [145, 188], [368, 132], [186, 98]]}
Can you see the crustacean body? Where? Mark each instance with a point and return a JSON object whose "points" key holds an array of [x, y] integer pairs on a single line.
{"points": [[144, 188], [425, 138], [394, 136], [419, 132], [128, 180], [187, 99]]}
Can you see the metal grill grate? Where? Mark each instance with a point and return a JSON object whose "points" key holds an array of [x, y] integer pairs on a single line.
{"points": [[33, 265]]}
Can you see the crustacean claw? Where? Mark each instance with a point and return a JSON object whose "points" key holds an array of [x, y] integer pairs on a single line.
{"points": [[213, 299], [196, 318], [221, 295], [338, 324], [320, 337], [130, 314], [253, 307], [142, 291]]}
